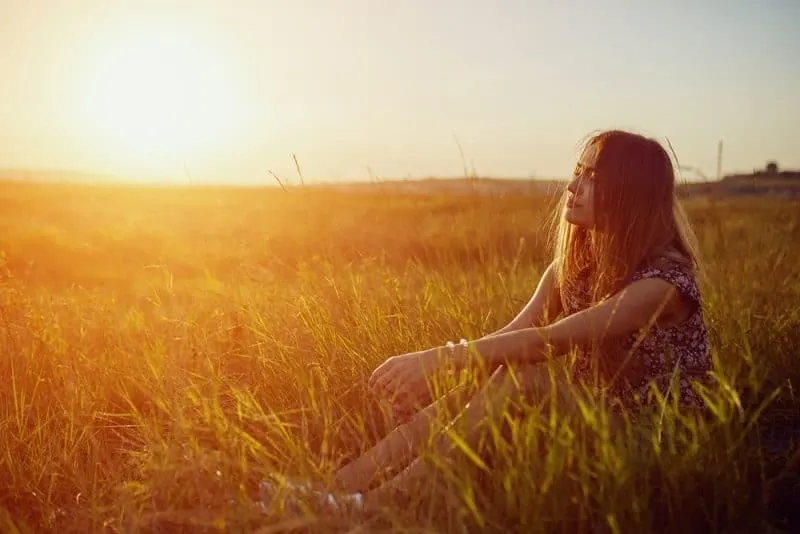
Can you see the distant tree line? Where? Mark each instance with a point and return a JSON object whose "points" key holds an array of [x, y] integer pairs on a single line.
{"points": [[771, 170]]}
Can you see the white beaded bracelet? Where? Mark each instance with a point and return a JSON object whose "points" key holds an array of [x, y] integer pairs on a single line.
{"points": [[451, 347]]}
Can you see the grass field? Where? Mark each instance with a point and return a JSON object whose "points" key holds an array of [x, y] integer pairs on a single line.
{"points": [[166, 349]]}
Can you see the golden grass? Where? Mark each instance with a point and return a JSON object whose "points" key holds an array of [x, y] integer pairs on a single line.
{"points": [[166, 349]]}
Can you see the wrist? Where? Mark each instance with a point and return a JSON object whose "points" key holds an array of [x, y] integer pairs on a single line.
{"points": [[456, 353]]}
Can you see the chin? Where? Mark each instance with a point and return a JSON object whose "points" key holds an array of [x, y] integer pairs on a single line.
{"points": [[572, 218]]}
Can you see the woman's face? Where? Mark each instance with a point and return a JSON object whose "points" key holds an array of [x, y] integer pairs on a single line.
{"points": [[579, 208]]}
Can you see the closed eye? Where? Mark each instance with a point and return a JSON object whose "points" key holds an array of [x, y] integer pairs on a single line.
{"points": [[583, 172]]}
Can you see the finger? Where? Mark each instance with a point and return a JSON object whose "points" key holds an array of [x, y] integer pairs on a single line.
{"points": [[406, 381], [413, 393], [379, 388], [374, 377], [404, 389], [400, 401], [405, 401], [388, 376], [391, 391], [413, 396], [373, 384], [378, 376], [377, 382], [394, 384], [379, 372]]}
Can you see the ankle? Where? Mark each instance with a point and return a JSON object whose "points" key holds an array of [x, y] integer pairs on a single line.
{"points": [[346, 479]]}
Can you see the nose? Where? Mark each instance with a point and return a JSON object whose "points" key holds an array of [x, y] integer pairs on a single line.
{"points": [[572, 186]]}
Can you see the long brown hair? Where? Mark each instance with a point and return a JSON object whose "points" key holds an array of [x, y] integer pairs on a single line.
{"points": [[637, 214]]}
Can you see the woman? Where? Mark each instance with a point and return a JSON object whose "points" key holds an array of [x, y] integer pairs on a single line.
{"points": [[623, 282]]}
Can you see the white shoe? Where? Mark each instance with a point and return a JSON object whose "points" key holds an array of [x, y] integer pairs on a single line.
{"points": [[297, 492]]}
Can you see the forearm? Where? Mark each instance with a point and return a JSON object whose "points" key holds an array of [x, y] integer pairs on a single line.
{"points": [[507, 329], [520, 323], [524, 345], [533, 345]]}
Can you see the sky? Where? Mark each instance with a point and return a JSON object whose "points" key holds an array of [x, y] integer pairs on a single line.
{"points": [[228, 91]]}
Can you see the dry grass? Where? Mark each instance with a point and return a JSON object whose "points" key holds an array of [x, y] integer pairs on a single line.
{"points": [[166, 349]]}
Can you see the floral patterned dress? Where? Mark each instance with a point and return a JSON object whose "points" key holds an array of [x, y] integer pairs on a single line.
{"points": [[655, 357]]}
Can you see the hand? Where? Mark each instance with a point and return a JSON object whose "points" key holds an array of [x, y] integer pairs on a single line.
{"points": [[404, 378]]}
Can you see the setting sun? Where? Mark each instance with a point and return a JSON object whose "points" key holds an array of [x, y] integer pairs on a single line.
{"points": [[158, 96]]}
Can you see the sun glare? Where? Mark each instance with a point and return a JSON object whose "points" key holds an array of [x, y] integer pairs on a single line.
{"points": [[156, 97]]}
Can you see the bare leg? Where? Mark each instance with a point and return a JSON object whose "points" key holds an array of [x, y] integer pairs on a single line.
{"points": [[398, 448], [483, 411]]}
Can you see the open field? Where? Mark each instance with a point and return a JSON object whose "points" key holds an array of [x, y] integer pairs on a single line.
{"points": [[165, 349]]}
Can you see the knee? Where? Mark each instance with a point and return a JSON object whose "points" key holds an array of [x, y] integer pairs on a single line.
{"points": [[540, 383], [508, 383], [533, 379]]}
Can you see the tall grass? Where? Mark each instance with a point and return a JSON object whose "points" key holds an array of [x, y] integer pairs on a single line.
{"points": [[167, 349]]}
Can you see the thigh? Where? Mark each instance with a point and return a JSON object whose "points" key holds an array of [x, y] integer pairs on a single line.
{"points": [[507, 388], [547, 385]]}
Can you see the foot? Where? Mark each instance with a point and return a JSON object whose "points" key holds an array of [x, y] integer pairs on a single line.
{"points": [[315, 495]]}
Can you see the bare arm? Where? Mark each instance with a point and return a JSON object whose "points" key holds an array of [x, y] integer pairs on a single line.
{"points": [[638, 306], [543, 306]]}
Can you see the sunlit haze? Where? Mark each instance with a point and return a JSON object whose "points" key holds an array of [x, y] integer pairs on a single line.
{"points": [[225, 91]]}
